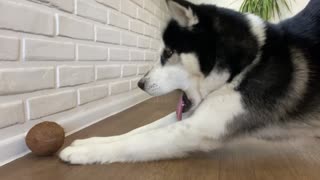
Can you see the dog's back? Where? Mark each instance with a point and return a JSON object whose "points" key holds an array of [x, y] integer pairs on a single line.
{"points": [[289, 71], [303, 30], [302, 33]]}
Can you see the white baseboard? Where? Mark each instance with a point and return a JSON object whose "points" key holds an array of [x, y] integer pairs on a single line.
{"points": [[12, 140]]}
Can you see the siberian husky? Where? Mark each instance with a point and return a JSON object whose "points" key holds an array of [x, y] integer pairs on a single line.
{"points": [[240, 76]]}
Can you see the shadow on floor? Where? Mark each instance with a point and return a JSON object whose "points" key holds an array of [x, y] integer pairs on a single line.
{"points": [[245, 161]]}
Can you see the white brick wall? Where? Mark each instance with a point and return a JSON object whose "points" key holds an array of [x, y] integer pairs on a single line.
{"points": [[92, 93], [137, 26], [143, 69], [75, 75], [9, 49], [107, 35], [134, 83], [111, 3], [92, 53], [75, 28], [11, 113], [129, 70], [129, 39], [129, 9], [59, 56], [118, 20], [21, 17], [91, 10], [21, 80], [66, 5], [119, 54], [43, 50], [51, 103], [119, 87], [144, 42]]}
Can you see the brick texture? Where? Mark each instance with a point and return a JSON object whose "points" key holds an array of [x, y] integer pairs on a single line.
{"points": [[11, 113], [92, 53], [66, 5], [22, 80], [150, 56], [25, 18], [119, 55], [75, 75], [92, 11], [129, 39], [9, 48], [58, 55], [48, 104], [136, 26], [134, 83], [143, 69], [74, 28], [119, 87], [144, 42], [137, 55], [139, 2], [107, 35], [129, 8], [129, 70], [115, 4], [94, 93], [118, 20], [42, 50], [108, 72]]}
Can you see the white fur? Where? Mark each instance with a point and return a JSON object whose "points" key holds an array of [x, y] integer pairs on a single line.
{"points": [[192, 19], [163, 122], [215, 105], [191, 63], [258, 28], [214, 81], [184, 16], [164, 79], [183, 72], [167, 139]]}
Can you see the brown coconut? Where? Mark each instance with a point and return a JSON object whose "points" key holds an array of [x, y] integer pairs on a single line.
{"points": [[45, 139]]}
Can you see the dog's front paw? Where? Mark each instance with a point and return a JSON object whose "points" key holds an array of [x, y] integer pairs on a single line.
{"points": [[78, 155], [80, 142], [95, 141]]}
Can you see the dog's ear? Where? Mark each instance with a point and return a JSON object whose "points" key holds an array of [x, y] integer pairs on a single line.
{"points": [[182, 12]]}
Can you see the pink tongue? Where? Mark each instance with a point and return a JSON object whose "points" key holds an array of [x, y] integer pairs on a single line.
{"points": [[180, 108]]}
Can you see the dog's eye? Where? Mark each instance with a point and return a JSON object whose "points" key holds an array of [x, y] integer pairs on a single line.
{"points": [[168, 53]]}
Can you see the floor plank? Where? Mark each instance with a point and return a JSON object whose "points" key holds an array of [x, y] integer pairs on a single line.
{"points": [[249, 160]]}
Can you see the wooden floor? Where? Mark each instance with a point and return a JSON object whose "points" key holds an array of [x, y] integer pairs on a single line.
{"points": [[243, 161]]}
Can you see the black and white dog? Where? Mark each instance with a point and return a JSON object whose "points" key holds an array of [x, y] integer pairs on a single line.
{"points": [[241, 76]]}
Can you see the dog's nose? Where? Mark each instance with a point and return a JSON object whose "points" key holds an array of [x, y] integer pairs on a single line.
{"points": [[141, 84]]}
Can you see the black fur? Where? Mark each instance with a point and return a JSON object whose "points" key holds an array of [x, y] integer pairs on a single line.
{"points": [[268, 83], [303, 31], [222, 40]]}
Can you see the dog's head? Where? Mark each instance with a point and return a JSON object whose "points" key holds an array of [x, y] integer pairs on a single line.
{"points": [[205, 47]]}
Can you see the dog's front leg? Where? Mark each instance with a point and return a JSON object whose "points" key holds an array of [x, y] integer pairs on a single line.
{"points": [[163, 122], [173, 141], [200, 132]]}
